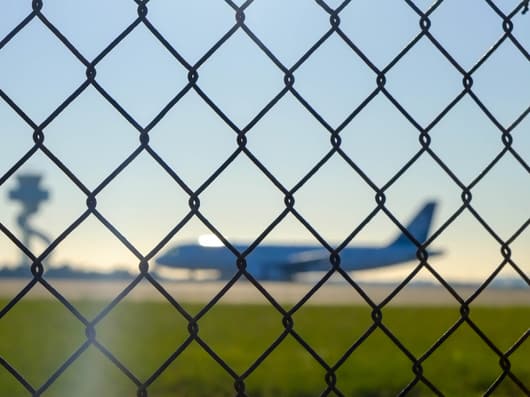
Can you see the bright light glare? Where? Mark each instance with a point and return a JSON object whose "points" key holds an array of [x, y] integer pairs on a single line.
{"points": [[209, 240]]}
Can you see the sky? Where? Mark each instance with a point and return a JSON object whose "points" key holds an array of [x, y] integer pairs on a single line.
{"points": [[144, 203]]}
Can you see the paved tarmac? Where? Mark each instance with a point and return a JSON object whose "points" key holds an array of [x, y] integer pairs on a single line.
{"points": [[284, 293]]}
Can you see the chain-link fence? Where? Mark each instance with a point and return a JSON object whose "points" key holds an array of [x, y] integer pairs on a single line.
{"points": [[243, 135]]}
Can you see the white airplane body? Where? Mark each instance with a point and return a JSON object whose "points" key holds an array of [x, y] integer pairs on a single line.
{"points": [[282, 262]]}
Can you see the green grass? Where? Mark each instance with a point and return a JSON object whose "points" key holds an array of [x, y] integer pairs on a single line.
{"points": [[36, 337]]}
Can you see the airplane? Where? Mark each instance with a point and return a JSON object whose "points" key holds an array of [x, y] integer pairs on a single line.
{"points": [[282, 262]]}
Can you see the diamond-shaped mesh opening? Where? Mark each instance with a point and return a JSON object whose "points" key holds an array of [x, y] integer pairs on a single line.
{"points": [[152, 78], [75, 21], [262, 264], [380, 140], [341, 195], [464, 355], [79, 148], [477, 259], [147, 320], [259, 325], [288, 134], [334, 71], [35, 47], [412, 79], [193, 140], [459, 134], [96, 259], [172, 272], [155, 202], [423, 181], [389, 368], [316, 322], [231, 75], [241, 217], [38, 316]]}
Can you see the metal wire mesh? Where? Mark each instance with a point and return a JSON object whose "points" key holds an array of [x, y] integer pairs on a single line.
{"points": [[240, 258]]}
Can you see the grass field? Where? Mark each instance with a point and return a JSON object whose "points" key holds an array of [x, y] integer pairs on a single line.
{"points": [[37, 336]]}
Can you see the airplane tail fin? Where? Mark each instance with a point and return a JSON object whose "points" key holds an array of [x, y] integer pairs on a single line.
{"points": [[419, 226]]}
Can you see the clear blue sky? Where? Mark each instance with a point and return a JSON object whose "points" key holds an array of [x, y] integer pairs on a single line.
{"points": [[38, 72]]}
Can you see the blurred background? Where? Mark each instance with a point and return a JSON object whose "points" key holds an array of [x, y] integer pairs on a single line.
{"points": [[144, 203]]}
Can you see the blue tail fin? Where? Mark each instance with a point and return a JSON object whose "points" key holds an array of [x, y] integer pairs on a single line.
{"points": [[419, 226]]}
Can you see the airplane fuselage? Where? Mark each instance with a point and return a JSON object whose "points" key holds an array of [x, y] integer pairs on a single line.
{"points": [[282, 262]]}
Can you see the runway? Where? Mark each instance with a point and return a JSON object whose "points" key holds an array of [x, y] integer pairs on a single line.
{"points": [[283, 293]]}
